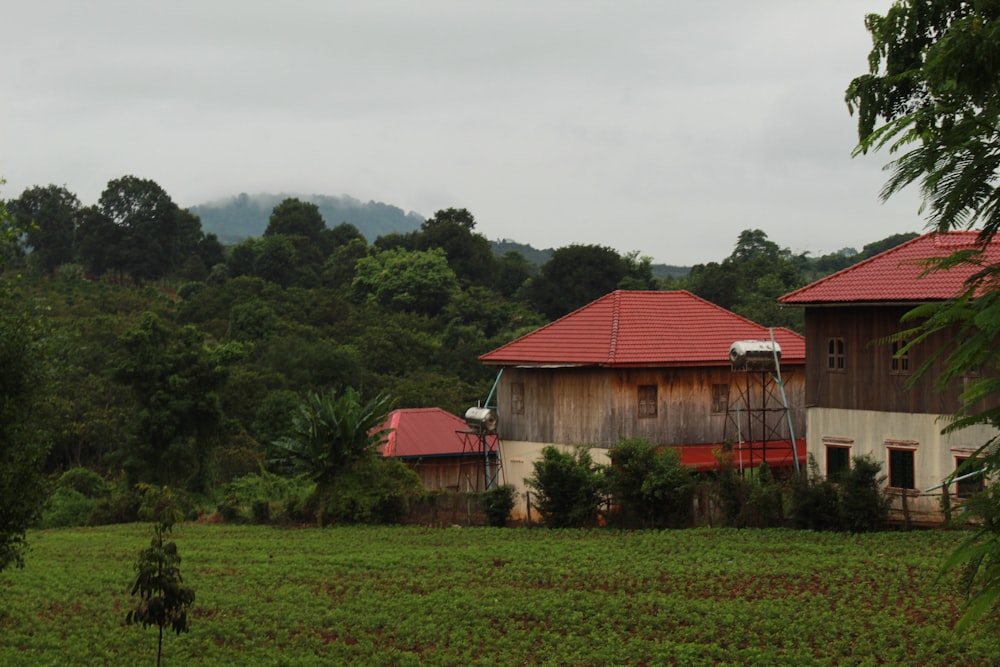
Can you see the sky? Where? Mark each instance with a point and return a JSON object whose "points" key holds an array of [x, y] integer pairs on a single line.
{"points": [[664, 128]]}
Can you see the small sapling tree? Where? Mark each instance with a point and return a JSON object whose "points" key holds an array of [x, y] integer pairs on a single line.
{"points": [[162, 599]]}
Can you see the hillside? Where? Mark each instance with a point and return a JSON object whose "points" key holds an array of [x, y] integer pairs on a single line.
{"points": [[242, 216]]}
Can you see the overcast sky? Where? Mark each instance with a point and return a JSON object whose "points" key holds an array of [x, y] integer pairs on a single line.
{"points": [[664, 127]]}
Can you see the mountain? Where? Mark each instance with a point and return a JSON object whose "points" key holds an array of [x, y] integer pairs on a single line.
{"points": [[236, 218]]}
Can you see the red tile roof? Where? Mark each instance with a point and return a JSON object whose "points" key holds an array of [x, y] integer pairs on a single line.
{"points": [[895, 275], [424, 432], [634, 328]]}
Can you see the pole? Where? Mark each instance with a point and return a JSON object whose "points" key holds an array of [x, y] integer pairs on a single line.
{"points": [[784, 400]]}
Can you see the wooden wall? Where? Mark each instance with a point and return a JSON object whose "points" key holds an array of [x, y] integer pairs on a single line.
{"points": [[599, 406], [868, 381]]}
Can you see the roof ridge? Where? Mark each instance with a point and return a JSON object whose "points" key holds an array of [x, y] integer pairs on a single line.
{"points": [[613, 344]]}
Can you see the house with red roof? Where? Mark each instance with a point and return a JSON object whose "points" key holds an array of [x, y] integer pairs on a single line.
{"points": [[439, 447], [859, 386], [646, 364]]}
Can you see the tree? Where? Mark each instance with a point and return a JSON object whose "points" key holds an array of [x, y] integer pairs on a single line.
{"points": [[418, 281], [568, 488], [148, 218], [469, 254], [50, 215], [576, 275], [750, 280], [650, 485], [294, 217], [163, 599], [23, 488], [175, 380], [331, 433], [933, 86], [933, 92]]}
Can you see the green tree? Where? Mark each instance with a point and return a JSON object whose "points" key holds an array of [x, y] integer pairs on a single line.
{"points": [[152, 243], [175, 380], [469, 254], [294, 217], [650, 486], [50, 215], [331, 433], [419, 281], [568, 488], [578, 274], [750, 280], [22, 450], [163, 600], [932, 93]]}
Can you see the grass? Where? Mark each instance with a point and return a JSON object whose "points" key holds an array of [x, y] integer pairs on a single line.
{"points": [[479, 596]]}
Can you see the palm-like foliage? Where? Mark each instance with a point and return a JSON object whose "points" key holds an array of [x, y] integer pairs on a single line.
{"points": [[331, 433]]}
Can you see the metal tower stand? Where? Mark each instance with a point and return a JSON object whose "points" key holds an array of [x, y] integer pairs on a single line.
{"points": [[756, 415], [752, 360], [481, 467]]}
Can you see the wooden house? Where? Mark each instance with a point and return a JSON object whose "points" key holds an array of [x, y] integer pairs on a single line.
{"points": [[653, 365], [860, 391]]}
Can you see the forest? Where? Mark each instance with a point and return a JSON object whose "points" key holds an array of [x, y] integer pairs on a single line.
{"points": [[155, 353]]}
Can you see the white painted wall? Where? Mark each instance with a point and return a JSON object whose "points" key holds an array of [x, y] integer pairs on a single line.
{"points": [[875, 433]]}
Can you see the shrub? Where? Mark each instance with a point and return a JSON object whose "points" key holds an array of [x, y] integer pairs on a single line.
{"points": [[374, 490], [498, 503], [259, 496], [649, 485], [85, 481], [764, 506], [815, 501], [864, 504], [66, 508], [568, 488]]}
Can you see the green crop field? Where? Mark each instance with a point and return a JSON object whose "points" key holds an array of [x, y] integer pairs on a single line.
{"points": [[477, 596]]}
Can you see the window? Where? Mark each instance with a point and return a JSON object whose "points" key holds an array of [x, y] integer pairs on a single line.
{"points": [[901, 475], [900, 360], [970, 486], [517, 398], [720, 398], [838, 462], [647, 401], [835, 354]]}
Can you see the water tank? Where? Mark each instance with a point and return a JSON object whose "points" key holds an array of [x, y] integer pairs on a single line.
{"points": [[481, 419], [754, 355]]}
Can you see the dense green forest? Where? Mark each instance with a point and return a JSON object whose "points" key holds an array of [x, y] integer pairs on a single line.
{"points": [[169, 357]]}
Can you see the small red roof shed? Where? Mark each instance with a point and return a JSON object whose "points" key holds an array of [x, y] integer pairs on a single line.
{"points": [[643, 328], [423, 432]]}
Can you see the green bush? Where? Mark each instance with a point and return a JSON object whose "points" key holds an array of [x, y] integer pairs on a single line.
{"points": [[65, 508], [857, 503], [258, 497], [568, 488], [374, 490], [764, 504], [864, 503], [649, 485], [85, 481], [498, 503], [815, 501]]}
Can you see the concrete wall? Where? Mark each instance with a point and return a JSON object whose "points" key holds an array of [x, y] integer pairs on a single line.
{"points": [[876, 433]]}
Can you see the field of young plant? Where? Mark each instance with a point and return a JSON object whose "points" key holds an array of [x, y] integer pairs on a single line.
{"points": [[478, 596]]}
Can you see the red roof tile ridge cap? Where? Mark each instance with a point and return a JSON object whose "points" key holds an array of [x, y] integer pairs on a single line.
{"points": [[613, 343], [957, 239], [854, 267]]}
